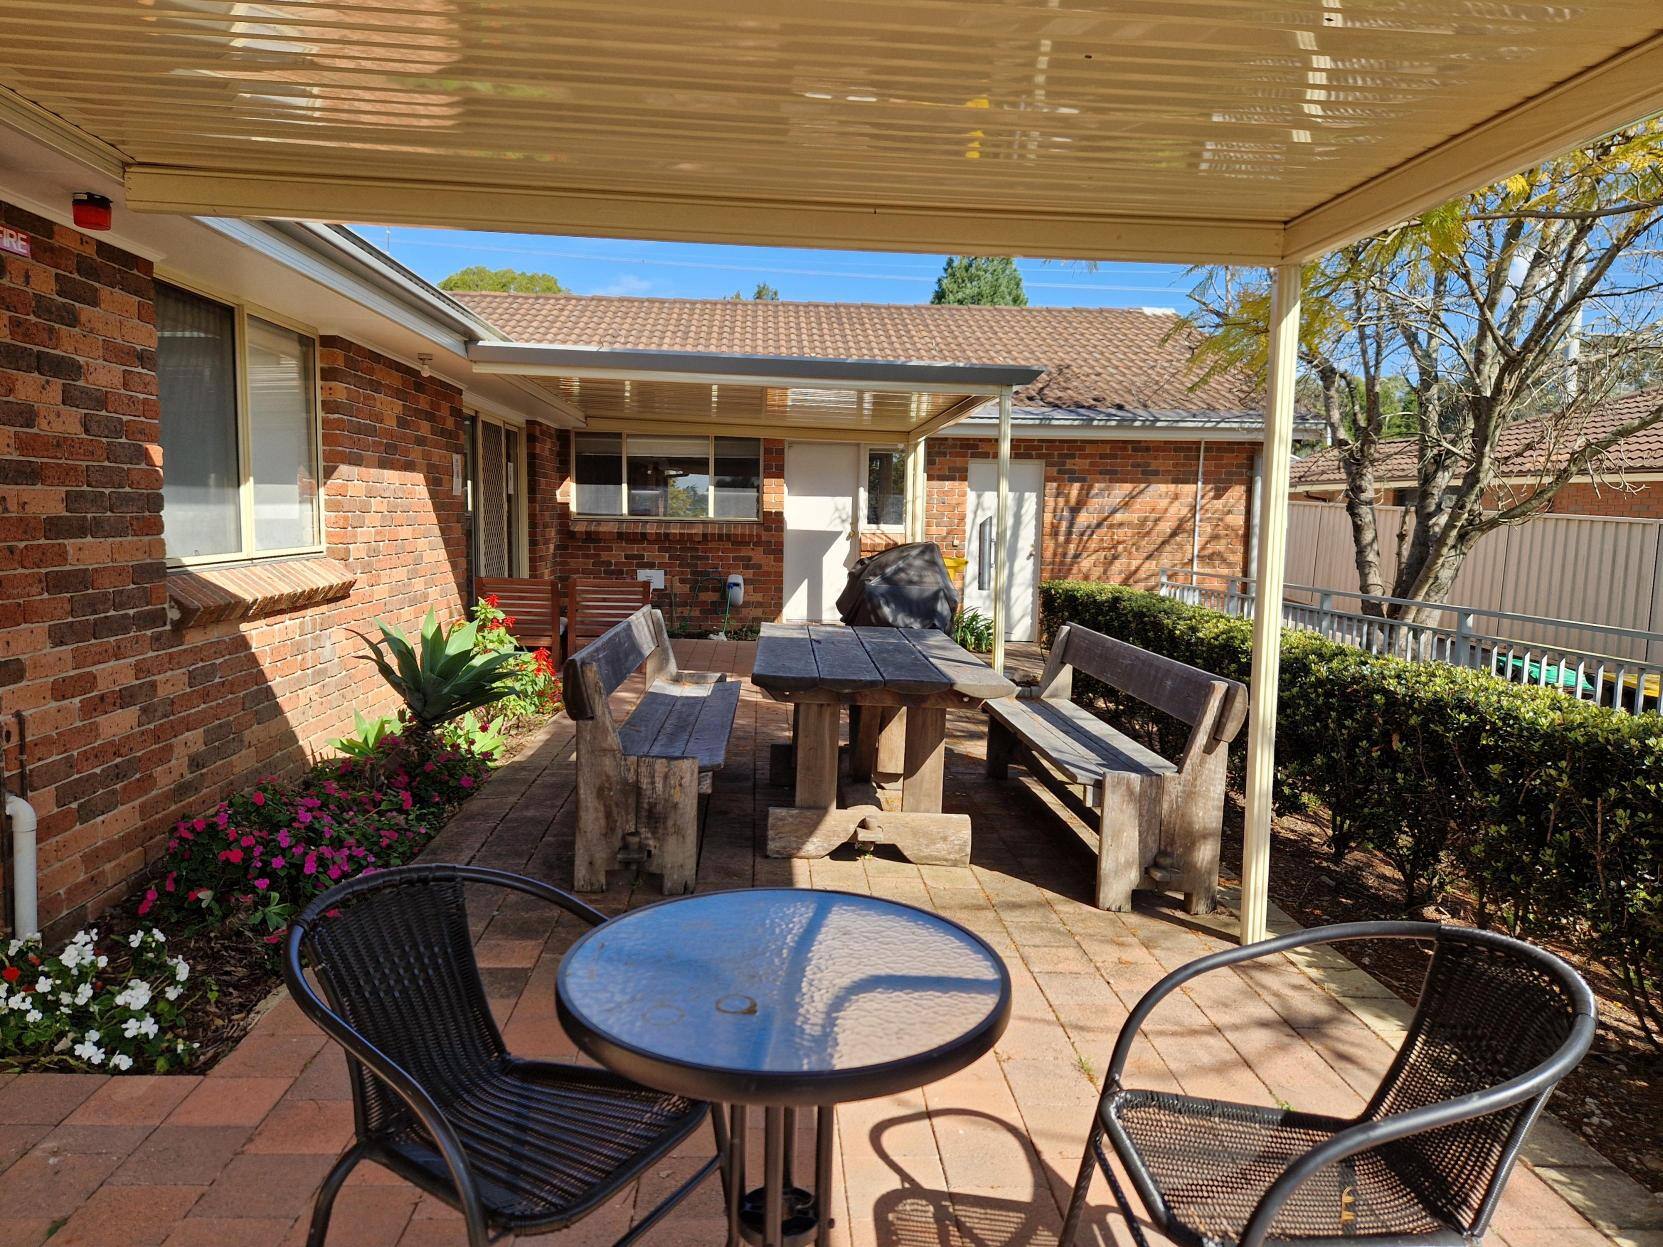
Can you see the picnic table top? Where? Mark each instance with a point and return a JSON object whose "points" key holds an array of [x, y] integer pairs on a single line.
{"points": [[906, 663]]}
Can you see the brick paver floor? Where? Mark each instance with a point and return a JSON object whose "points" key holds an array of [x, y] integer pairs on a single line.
{"points": [[986, 1157]]}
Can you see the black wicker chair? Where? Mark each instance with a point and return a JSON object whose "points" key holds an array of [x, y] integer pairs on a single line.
{"points": [[1499, 1023], [514, 1145]]}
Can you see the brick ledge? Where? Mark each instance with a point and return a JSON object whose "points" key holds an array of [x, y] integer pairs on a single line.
{"points": [[206, 595], [625, 528]]}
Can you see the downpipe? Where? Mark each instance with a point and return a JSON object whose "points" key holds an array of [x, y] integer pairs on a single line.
{"points": [[25, 916]]}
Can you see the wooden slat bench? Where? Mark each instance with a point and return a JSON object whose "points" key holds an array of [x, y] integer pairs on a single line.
{"points": [[639, 782], [1149, 815], [533, 604], [593, 606]]}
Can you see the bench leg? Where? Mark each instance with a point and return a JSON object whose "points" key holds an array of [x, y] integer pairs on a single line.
{"points": [[605, 807], [667, 816], [864, 725], [1001, 746], [1127, 802]]}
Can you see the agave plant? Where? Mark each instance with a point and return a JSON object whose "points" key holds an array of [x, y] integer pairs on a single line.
{"points": [[442, 678]]}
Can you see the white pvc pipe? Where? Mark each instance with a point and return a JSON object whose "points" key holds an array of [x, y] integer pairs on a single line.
{"points": [[1267, 615], [21, 815], [1001, 517]]}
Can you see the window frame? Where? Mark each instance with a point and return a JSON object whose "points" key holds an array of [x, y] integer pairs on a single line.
{"points": [[241, 310], [622, 514], [866, 449]]}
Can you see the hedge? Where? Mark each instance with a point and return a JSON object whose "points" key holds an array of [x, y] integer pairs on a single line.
{"points": [[1548, 811]]}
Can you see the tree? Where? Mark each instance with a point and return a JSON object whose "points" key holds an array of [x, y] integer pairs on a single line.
{"points": [[993, 281], [1534, 299], [764, 293], [478, 277]]}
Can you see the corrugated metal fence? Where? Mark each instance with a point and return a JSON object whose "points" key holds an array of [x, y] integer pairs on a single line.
{"points": [[1586, 568]]}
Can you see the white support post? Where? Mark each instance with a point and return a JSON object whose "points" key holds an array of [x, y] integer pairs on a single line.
{"points": [[919, 482], [1001, 515], [909, 511], [1271, 566]]}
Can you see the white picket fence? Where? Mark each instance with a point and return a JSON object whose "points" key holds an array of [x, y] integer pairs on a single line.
{"points": [[1463, 636]]}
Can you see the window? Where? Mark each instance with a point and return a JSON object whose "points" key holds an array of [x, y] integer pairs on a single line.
{"points": [[886, 488], [239, 431], [678, 478]]}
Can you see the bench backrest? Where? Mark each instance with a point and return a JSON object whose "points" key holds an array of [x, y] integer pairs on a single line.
{"points": [[533, 604], [593, 673], [1209, 703], [593, 606]]}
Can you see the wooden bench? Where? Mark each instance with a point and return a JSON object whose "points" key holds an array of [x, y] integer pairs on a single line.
{"points": [[639, 782], [593, 606], [534, 606], [1153, 818]]}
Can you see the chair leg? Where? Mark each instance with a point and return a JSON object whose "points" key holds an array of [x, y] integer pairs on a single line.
{"points": [[326, 1194], [1082, 1185]]}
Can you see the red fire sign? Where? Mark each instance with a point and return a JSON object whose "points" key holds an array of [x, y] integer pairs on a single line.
{"points": [[13, 241]]}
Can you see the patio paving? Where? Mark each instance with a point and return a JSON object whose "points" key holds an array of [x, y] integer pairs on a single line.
{"points": [[985, 1157]]}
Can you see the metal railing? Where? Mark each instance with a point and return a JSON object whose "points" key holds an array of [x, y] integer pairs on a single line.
{"points": [[1463, 636]]}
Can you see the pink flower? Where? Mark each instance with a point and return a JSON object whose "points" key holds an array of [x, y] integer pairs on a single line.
{"points": [[467, 781], [260, 885], [277, 863], [148, 903], [303, 816], [310, 867], [258, 797], [405, 800], [248, 842]]}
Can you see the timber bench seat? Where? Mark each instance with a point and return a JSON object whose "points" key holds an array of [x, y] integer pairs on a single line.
{"points": [[639, 782], [1151, 818]]}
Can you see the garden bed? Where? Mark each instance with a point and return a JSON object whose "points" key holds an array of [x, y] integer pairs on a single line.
{"points": [[1613, 1100]]}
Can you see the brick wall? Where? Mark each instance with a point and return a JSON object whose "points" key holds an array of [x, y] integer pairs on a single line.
{"points": [[134, 722], [1642, 500], [1114, 511], [694, 556]]}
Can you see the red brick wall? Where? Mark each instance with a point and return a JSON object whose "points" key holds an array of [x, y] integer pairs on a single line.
{"points": [[133, 722], [1642, 500], [695, 556], [1114, 511]]}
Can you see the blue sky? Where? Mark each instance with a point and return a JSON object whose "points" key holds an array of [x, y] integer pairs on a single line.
{"points": [[691, 270]]}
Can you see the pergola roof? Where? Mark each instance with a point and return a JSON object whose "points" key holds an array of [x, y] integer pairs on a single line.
{"points": [[1241, 130]]}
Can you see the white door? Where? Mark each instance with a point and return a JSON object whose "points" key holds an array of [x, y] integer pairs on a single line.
{"points": [[822, 480], [1027, 496]]}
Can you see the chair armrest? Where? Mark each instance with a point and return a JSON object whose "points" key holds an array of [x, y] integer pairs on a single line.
{"points": [[394, 1076], [1251, 952], [701, 677], [1366, 1136]]}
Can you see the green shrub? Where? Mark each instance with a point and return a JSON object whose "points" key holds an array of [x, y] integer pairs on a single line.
{"points": [[1548, 810], [441, 676], [973, 630]]}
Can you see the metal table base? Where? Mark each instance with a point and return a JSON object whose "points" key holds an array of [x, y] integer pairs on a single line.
{"points": [[779, 1213]]}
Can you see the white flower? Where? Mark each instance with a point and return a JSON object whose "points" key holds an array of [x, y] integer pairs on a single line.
{"points": [[121, 1061], [13, 948], [92, 1036], [135, 995], [181, 971], [172, 993], [32, 1016], [146, 1026], [83, 993], [156, 934], [72, 955], [135, 939], [64, 998], [102, 961], [90, 1052], [44, 985]]}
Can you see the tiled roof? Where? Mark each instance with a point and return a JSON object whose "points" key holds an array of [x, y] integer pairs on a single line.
{"points": [[1525, 447], [1095, 358]]}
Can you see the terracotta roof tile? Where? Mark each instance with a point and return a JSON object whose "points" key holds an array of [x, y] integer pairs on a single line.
{"points": [[1525, 446], [1094, 357]]}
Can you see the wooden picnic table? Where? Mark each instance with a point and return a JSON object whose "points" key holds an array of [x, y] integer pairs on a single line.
{"points": [[899, 684]]}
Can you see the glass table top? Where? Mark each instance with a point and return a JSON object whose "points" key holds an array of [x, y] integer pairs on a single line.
{"points": [[783, 984]]}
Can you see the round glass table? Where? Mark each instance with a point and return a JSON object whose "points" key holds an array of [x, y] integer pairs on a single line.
{"points": [[783, 998]]}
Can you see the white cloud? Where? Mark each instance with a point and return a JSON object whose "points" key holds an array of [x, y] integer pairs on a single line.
{"points": [[627, 283]]}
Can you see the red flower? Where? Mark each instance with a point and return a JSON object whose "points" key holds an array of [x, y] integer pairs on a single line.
{"points": [[11, 974], [491, 600], [508, 621]]}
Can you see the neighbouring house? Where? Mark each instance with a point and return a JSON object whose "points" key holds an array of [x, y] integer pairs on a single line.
{"points": [[1626, 481], [225, 445]]}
